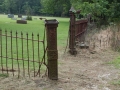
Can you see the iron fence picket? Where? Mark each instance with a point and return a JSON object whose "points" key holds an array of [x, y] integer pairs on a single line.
{"points": [[33, 52], [12, 57], [38, 53], [6, 52], [17, 54], [1, 49], [12, 52]]}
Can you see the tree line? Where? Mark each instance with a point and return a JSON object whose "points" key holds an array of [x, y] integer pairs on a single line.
{"points": [[100, 10], [20, 6]]}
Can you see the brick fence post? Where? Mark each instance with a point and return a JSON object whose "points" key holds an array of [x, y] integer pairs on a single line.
{"points": [[52, 53]]}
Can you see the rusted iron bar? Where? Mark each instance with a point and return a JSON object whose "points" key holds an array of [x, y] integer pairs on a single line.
{"points": [[17, 55], [38, 53], [6, 51], [12, 52], [22, 38], [45, 49], [28, 56], [81, 21], [1, 49], [78, 34], [9, 70], [52, 53], [20, 59], [23, 53], [33, 53], [43, 60]]}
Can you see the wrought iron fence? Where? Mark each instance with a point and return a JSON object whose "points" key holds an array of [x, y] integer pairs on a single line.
{"points": [[80, 28], [76, 30], [22, 54]]}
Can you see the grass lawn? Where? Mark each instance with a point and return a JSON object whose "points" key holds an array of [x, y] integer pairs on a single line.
{"points": [[35, 27]]}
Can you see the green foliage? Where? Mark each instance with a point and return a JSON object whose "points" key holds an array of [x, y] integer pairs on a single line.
{"points": [[102, 11], [9, 6], [27, 9], [115, 11], [20, 6], [48, 6], [56, 7]]}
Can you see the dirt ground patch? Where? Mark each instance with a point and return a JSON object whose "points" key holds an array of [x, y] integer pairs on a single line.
{"points": [[85, 71]]}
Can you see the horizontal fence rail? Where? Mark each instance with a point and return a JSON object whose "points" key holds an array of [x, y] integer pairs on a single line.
{"points": [[80, 28], [22, 54]]}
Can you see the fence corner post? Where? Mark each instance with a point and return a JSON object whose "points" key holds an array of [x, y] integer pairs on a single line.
{"points": [[72, 32], [52, 52]]}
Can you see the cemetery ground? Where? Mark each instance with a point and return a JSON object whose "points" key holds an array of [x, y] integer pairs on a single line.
{"points": [[85, 71]]}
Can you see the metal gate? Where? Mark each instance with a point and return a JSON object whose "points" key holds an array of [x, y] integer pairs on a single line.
{"points": [[22, 54]]}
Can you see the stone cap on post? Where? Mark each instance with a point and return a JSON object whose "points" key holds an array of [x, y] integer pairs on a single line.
{"points": [[72, 10], [51, 22]]}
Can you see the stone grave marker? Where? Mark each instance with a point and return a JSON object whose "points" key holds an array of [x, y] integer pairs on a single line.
{"points": [[10, 15]]}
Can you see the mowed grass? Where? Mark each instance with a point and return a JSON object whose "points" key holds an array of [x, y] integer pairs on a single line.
{"points": [[36, 27]]}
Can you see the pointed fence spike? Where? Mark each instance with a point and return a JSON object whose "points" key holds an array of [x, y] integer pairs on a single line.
{"points": [[32, 34], [16, 32], [27, 33], [0, 31], [5, 31], [21, 33], [38, 34]]}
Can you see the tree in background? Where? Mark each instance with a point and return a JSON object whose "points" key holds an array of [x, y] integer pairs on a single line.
{"points": [[102, 11], [9, 6], [18, 6], [56, 7], [1, 6], [114, 11]]}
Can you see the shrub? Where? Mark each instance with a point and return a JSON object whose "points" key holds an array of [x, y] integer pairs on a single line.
{"points": [[29, 18], [19, 16]]}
